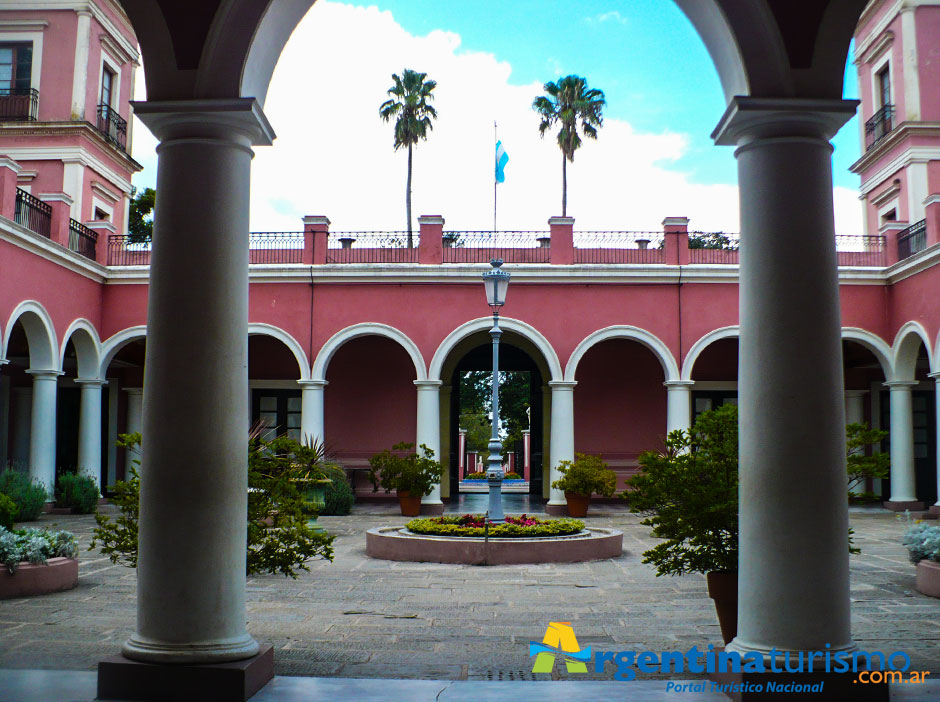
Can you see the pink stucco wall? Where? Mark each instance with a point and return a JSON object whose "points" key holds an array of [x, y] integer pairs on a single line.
{"points": [[927, 22]]}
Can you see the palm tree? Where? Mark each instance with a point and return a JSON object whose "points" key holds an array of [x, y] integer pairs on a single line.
{"points": [[408, 103], [567, 101]]}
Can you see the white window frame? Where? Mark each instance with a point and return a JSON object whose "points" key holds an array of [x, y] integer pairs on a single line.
{"points": [[98, 204], [7, 35], [877, 68], [115, 67]]}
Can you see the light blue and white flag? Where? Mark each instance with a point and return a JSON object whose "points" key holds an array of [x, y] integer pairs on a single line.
{"points": [[502, 158]]}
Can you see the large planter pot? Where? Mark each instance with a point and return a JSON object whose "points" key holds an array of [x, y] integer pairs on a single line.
{"points": [[57, 575], [723, 589], [928, 578], [577, 504], [410, 504]]}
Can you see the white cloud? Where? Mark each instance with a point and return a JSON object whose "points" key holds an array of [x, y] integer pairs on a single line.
{"points": [[612, 16], [334, 155]]}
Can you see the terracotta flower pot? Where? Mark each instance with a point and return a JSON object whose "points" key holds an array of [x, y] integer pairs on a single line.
{"points": [[928, 578], [723, 588], [410, 504], [577, 504]]}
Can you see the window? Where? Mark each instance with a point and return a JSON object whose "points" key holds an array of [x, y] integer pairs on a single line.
{"points": [[101, 215], [889, 216], [107, 87], [279, 411], [884, 85], [16, 66]]}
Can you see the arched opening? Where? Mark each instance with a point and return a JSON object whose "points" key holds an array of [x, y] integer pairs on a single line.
{"points": [[123, 367], [865, 399], [80, 363], [16, 394], [715, 373], [275, 396]]}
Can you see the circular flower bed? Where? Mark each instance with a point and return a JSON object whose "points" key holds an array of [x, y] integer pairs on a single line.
{"points": [[475, 525]]}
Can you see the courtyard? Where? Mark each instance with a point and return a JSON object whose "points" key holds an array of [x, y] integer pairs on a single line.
{"points": [[364, 618]]}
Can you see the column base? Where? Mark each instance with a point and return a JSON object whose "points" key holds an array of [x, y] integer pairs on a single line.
{"points": [[935, 509], [556, 510], [754, 687], [903, 506], [432, 508], [120, 678]]}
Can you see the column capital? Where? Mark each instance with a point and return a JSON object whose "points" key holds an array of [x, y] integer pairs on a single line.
{"points": [[313, 383], [134, 391], [935, 375], [678, 384], [900, 384], [225, 118], [856, 393], [44, 374], [91, 382], [428, 384], [751, 118], [562, 384]]}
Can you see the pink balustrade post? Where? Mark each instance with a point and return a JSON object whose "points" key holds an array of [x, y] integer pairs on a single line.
{"points": [[562, 243], [61, 205], [316, 236], [104, 230], [932, 215], [676, 246], [8, 172], [431, 242], [890, 231]]}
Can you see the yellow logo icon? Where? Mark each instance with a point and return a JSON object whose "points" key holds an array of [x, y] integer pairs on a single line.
{"points": [[559, 640]]}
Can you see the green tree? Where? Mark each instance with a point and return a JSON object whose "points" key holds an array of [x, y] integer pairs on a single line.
{"points": [[712, 240], [410, 105], [140, 217], [568, 101]]}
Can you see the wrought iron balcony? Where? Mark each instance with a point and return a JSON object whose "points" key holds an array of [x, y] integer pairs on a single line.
{"points": [[19, 104], [912, 240], [32, 213], [82, 240], [112, 126], [879, 126]]}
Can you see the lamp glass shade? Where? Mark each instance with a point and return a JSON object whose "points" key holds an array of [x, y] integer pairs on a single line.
{"points": [[496, 282]]}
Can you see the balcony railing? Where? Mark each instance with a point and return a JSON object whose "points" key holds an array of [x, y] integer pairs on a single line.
{"points": [[112, 126], [482, 247], [125, 251], [618, 247], [912, 240], [372, 247], [82, 240], [19, 104], [32, 213], [879, 126], [275, 247], [857, 251]]}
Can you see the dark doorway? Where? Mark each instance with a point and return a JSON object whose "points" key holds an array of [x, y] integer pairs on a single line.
{"points": [[67, 412], [925, 444], [279, 410]]}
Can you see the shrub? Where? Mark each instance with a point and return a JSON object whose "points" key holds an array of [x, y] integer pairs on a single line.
{"points": [[474, 525], [80, 492], [34, 546], [858, 465], [923, 542], [405, 470], [28, 495], [585, 476], [476, 476], [339, 496], [512, 475], [7, 512]]}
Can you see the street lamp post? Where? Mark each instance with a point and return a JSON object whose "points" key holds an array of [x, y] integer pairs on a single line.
{"points": [[496, 282]]}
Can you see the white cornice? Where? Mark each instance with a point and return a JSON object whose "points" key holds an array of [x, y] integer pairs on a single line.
{"points": [[913, 265], [23, 25], [861, 48], [68, 154], [913, 154], [44, 248], [117, 51], [111, 197], [877, 49]]}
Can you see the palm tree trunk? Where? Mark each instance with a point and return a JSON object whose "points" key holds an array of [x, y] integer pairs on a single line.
{"points": [[564, 184], [408, 198]]}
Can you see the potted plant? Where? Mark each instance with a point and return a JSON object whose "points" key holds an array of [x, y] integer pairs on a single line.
{"points": [[410, 474], [583, 477], [689, 495], [36, 562], [923, 544]]}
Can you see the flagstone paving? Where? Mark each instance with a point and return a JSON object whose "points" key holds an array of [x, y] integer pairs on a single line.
{"points": [[359, 617]]}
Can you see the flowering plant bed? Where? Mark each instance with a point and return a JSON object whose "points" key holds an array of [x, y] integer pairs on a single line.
{"points": [[37, 562], [473, 525]]}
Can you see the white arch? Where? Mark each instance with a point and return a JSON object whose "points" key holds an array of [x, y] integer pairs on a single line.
{"points": [[116, 342], [87, 349], [526, 331], [625, 331], [40, 335], [261, 329], [904, 352], [730, 332], [354, 331], [874, 343]]}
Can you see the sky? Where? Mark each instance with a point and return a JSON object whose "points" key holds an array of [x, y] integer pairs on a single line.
{"points": [[653, 157]]}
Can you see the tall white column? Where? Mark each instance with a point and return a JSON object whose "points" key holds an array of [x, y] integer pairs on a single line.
{"points": [[80, 69], [311, 409], [191, 570], [133, 421], [561, 446], [89, 429], [855, 414], [793, 587], [903, 488], [936, 428], [22, 411], [429, 428], [678, 405], [42, 434]]}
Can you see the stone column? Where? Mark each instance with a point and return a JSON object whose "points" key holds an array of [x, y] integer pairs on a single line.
{"points": [[678, 404], [794, 586], [311, 409], [855, 414], [429, 434], [935, 508], [133, 423], [89, 429], [903, 485], [561, 447], [191, 570], [42, 436]]}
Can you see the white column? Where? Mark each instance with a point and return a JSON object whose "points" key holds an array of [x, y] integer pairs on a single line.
{"points": [[561, 447], [678, 404], [429, 428], [113, 395], [22, 411], [133, 424], [936, 428], [902, 442], [42, 428], [191, 571], [855, 414], [89, 429], [311, 409], [794, 586], [80, 71]]}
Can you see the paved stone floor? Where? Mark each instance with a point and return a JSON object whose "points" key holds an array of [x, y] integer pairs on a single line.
{"points": [[363, 618]]}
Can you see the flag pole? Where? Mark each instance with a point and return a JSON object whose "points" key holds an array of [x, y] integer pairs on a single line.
{"points": [[495, 139]]}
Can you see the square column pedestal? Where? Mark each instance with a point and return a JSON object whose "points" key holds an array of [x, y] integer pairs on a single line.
{"points": [[120, 678]]}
